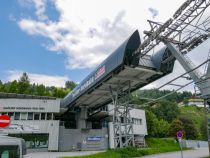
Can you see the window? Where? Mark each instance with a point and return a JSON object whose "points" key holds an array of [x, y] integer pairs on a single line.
{"points": [[5, 154], [17, 116], [23, 116], [42, 116], [30, 116], [49, 116], [36, 116], [137, 121], [11, 115], [8, 151]]}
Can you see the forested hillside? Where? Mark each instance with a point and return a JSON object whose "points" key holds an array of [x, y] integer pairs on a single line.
{"points": [[24, 86], [165, 117]]}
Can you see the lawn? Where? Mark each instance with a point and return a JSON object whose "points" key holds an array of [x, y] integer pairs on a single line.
{"points": [[155, 145]]}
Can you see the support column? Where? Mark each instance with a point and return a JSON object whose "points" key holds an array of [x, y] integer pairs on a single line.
{"points": [[81, 118], [122, 121]]}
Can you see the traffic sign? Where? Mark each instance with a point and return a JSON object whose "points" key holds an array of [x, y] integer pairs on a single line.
{"points": [[4, 121], [179, 134]]}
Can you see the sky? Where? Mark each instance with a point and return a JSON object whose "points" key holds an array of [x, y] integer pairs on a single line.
{"points": [[59, 40]]}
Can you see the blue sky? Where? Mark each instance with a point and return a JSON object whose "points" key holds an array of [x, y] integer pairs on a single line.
{"points": [[21, 52], [59, 40]]}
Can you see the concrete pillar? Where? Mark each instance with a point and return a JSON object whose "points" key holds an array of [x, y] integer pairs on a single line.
{"points": [[81, 118]]}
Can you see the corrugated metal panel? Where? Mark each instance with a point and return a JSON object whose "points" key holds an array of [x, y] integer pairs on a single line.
{"points": [[146, 61]]}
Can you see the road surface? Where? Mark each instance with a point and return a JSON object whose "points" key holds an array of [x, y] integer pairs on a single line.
{"points": [[197, 153], [59, 154]]}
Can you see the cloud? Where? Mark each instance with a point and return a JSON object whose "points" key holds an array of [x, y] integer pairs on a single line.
{"points": [[88, 31], [47, 80], [39, 5], [154, 12]]}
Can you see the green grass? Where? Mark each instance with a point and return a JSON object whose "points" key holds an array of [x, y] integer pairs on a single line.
{"points": [[155, 145]]}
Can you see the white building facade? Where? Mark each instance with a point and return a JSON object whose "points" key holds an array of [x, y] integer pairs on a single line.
{"points": [[32, 118]]}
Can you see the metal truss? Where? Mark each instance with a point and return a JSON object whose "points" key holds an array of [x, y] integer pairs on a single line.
{"points": [[188, 28], [122, 121], [177, 87]]}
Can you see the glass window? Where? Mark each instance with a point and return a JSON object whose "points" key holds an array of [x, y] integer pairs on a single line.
{"points": [[36, 116], [17, 116], [5, 154], [49, 116], [23, 116], [137, 121], [42, 116], [8, 151], [140, 121], [11, 115], [30, 116]]}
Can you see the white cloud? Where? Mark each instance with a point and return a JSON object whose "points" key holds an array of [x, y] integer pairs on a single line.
{"points": [[40, 7], [88, 31], [47, 80], [154, 12]]}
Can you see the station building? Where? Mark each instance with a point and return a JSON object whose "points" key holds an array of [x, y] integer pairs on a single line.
{"points": [[32, 118], [83, 120], [38, 120]]}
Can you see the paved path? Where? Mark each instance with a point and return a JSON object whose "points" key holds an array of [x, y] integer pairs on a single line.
{"points": [[197, 153], [59, 154]]}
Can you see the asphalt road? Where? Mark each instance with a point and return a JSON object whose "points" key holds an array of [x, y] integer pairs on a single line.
{"points": [[59, 154], [197, 153]]}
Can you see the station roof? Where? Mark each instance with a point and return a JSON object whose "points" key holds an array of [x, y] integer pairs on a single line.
{"points": [[119, 69], [24, 96]]}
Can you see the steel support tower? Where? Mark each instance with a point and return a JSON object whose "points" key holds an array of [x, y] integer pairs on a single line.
{"points": [[122, 121]]}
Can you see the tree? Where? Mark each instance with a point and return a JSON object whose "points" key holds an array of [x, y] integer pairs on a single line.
{"points": [[203, 130], [23, 84], [161, 128], [59, 93], [185, 101], [155, 127], [191, 131], [151, 122], [70, 85], [176, 125], [166, 110], [40, 89], [13, 88]]}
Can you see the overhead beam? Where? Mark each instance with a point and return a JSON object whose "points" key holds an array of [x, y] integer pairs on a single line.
{"points": [[148, 70], [127, 78]]}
